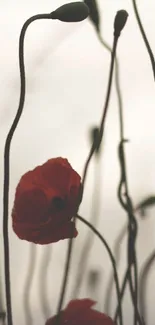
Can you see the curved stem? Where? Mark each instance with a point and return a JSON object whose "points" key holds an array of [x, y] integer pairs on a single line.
{"points": [[125, 280], [7, 164], [143, 283], [117, 245], [117, 81], [65, 279], [101, 129], [89, 238], [96, 232], [132, 234], [123, 180], [144, 36], [127, 277], [120, 105]]}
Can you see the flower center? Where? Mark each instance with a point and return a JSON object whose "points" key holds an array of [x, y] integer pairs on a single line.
{"points": [[58, 203]]}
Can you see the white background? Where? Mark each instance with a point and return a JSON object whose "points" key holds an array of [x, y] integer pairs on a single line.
{"points": [[66, 71]]}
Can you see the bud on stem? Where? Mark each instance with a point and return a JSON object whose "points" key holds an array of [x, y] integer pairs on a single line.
{"points": [[71, 12], [120, 21]]}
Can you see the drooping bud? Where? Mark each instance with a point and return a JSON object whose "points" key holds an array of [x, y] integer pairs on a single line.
{"points": [[119, 22], [71, 12], [94, 13]]}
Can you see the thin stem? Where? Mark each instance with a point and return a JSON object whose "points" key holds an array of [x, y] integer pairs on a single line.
{"points": [[132, 225], [117, 81], [117, 245], [65, 279], [89, 238], [120, 105], [143, 283], [7, 164], [97, 233], [123, 180], [144, 36], [125, 280], [127, 277], [101, 129], [127, 206]]}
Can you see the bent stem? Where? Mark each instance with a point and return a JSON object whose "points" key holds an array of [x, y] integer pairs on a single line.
{"points": [[123, 181], [127, 206], [64, 281], [122, 292], [144, 36], [117, 245], [120, 105], [143, 283], [117, 77], [132, 231], [7, 164], [97, 233], [89, 238], [101, 129]]}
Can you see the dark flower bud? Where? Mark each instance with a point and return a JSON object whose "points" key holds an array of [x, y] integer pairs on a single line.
{"points": [[95, 139], [94, 13], [71, 12], [120, 21], [94, 278]]}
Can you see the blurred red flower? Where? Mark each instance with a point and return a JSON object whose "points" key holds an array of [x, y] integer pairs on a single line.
{"points": [[79, 312], [46, 200]]}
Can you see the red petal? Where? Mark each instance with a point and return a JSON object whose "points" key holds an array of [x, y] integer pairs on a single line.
{"points": [[78, 306], [31, 206], [48, 235], [79, 312], [44, 235]]}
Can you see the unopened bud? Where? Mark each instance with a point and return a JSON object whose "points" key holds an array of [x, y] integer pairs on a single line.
{"points": [[94, 277], [71, 12], [120, 21], [95, 139]]}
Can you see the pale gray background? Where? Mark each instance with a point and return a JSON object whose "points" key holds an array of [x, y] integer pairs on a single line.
{"points": [[67, 70]]}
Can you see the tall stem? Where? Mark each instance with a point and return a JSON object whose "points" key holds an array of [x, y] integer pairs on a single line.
{"points": [[97, 233], [7, 164], [105, 109], [144, 37]]}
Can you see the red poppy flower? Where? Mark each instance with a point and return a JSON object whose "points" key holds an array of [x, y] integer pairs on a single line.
{"points": [[79, 312], [46, 200]]}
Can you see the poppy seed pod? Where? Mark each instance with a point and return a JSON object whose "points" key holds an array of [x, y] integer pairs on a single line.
{"points": [[119, 22], [71, 12]]}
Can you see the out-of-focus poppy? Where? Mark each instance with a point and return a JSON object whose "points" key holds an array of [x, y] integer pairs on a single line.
{"points": [[79, 312], [46, 200]]}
